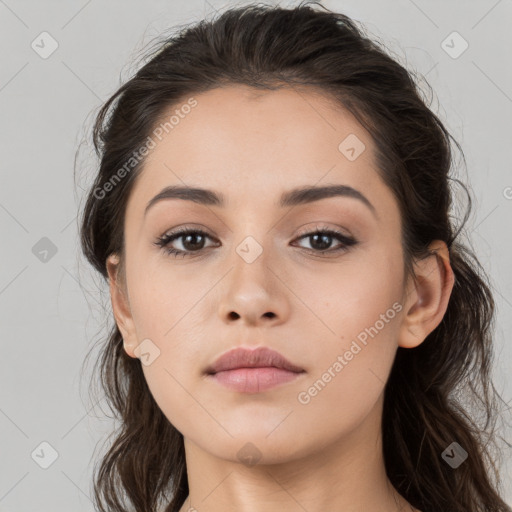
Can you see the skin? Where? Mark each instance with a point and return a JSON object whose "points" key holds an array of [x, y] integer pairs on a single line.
{"points": [[251, 146]]}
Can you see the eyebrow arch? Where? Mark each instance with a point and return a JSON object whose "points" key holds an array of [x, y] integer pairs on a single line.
{"points": [[294, 197]]}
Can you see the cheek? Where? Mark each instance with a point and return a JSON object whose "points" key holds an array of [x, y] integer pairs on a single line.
{"points": [[359, 299], [164, 299], [355, 329]]}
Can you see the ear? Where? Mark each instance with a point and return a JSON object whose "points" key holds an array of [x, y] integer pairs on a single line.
{"points": [[428, 296], [120, 305]]}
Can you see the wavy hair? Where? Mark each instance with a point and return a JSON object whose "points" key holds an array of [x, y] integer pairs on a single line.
{"points": [[437, 393]]}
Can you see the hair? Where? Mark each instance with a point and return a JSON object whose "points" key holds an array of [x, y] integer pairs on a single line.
{"points": [[438, 392]]}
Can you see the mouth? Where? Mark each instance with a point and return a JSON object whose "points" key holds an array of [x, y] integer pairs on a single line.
{"points": [[252, 371], [253, 380]]}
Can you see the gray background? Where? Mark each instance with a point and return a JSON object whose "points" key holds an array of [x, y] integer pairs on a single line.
{"points": [[51, 310]]}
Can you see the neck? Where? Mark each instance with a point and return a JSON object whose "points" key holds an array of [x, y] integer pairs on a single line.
{"points": [[348, 475]]}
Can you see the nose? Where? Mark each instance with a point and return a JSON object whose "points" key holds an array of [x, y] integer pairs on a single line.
{"points": [[254, 293]]}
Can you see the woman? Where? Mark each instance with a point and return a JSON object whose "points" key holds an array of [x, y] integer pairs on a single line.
{"points": [[297, 325]]}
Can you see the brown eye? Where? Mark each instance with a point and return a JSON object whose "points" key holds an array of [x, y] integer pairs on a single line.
{"points": [[192, 241], [321, 240]]}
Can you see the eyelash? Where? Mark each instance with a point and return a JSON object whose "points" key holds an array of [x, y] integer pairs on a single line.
{"points": [[167, 238]]}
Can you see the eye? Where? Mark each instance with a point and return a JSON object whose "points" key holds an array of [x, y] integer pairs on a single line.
{"points": [[322, 239], [193, 241]]}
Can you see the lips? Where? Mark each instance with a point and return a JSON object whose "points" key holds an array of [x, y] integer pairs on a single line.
{"points": [[252, 371], [261, 357]]}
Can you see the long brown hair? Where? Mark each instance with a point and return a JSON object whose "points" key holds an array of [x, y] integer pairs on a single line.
{"points": [[437, 393]]}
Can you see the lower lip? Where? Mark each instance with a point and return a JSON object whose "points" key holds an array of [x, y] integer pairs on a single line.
{"points": [[254, 380]]}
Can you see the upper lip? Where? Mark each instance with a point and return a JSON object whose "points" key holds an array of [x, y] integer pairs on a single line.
{"points": [[251, 358]]}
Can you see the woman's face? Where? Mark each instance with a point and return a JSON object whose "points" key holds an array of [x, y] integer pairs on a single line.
{"points": [[332, 308]]}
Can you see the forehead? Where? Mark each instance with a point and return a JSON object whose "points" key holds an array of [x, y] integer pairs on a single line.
{"points": [[252, 145]]}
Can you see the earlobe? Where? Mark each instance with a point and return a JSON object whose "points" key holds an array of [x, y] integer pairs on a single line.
{"points": [[120, 305], [427, 299]]}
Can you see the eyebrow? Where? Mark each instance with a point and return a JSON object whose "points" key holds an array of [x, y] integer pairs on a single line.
{"points": [[294, 197]]}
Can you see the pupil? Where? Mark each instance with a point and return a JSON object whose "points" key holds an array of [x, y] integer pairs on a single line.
{"points": [[325, 244], [187, 237]]}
